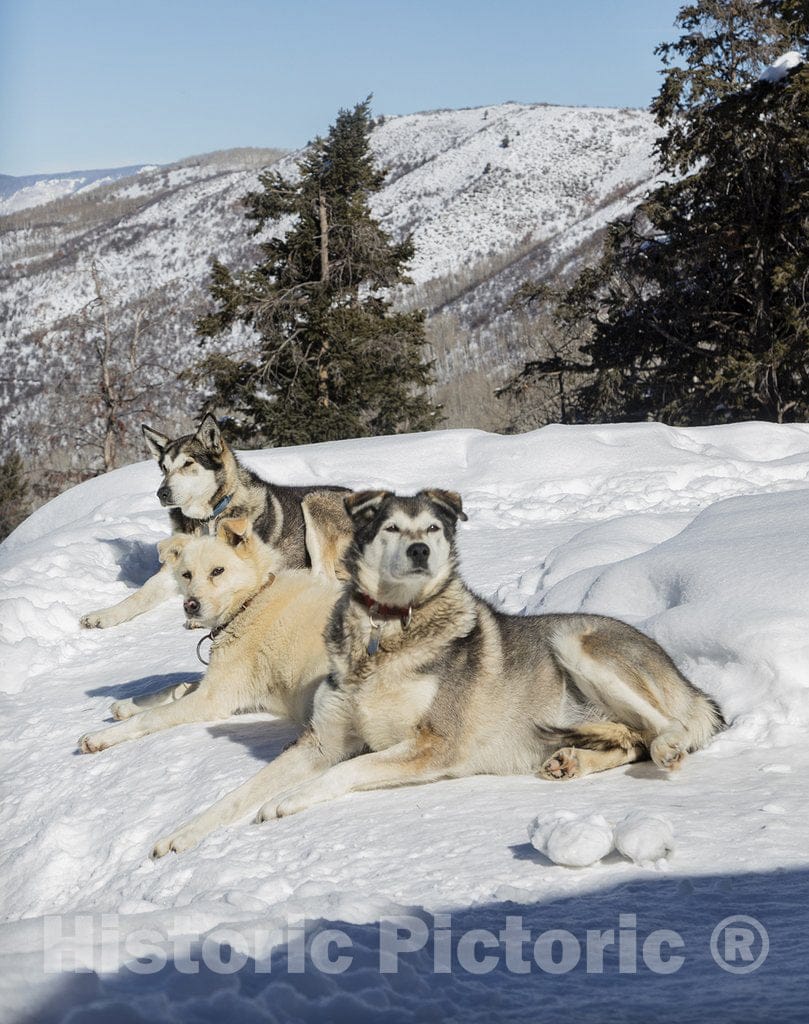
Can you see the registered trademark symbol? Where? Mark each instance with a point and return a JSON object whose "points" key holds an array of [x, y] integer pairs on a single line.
{"points": [[740, 944]]}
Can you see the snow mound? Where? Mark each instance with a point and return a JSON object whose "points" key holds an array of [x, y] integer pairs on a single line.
{"points": [[644, 838], [698, 537], [574, 840]]}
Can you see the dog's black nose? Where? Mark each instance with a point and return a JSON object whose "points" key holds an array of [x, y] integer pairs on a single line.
{"points": [[164, 495], [191, 606], [419, 555]]}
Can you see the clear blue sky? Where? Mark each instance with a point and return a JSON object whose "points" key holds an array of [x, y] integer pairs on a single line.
{"points": [[106, 83]]}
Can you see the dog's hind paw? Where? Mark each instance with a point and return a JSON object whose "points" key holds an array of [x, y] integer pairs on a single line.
{"points": [[122, 709], [564, 764], [668, 752]]}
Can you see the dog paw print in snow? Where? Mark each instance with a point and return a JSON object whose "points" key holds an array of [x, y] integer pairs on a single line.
{"points": [[579, 840]]}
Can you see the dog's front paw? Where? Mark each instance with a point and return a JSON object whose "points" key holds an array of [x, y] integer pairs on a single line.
{"points": [[564, 764], [298, 800], [92, 743], [266, 813], [101, 619], [178, 842]]}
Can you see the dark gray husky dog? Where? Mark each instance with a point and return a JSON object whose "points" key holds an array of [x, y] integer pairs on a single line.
{"points": [[428, 681], [203, 482]]}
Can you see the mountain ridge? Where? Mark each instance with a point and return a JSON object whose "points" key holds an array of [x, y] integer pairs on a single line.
{"points": [[492, 196]]}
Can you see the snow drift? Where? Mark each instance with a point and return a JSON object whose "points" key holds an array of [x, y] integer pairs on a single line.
{"points": [[698, 537]]}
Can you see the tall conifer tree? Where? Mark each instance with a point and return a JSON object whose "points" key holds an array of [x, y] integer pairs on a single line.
{"points": [[336, 360], [697, 310]]}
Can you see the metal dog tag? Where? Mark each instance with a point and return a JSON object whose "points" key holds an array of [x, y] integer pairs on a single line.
{"points": [[373, 639]]}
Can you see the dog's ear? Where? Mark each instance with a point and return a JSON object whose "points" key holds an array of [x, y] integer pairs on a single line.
{"points": [[170, 549], [209, 435], [155, 441], [362, 505], [450, 501], [235, 531]]}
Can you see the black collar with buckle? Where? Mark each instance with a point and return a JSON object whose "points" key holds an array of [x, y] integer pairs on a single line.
{"points": [[384, 611]]}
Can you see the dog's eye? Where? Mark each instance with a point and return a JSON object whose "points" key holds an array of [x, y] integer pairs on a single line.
{"points": [[433, 528], [392, 528], [186, 575], [218, 570], [187, 463]]}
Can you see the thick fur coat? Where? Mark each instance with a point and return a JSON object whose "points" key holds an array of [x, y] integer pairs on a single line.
{"points": [[267, 651], [204, 484], [428, 681]]}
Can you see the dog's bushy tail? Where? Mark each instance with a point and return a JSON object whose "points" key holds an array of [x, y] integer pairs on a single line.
{"points": [[594, 736]]}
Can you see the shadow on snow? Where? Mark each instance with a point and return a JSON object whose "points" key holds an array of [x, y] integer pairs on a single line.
{"points": [[619, 986]]}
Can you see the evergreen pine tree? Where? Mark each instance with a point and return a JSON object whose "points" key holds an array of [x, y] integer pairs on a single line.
{"points": [[696, 312], [336, 360]]}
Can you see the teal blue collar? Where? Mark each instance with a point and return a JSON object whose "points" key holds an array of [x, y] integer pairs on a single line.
{"points": [[221, 505]]}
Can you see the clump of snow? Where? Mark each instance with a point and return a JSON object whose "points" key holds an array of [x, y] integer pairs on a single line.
{"points": [[644, 838], [780, 68], [579, 840], [574, 840]]}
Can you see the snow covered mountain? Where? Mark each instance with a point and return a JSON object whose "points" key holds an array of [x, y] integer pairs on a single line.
{"points": [[696, 536], [21, 193], [492, 195]]}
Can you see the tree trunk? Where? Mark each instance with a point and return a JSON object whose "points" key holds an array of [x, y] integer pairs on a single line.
{"points": [[323, 368], [324, 239], [323, 374], [104, 351]]}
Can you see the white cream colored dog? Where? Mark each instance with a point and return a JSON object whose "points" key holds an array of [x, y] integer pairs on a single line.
{"points": [[267, 651]]}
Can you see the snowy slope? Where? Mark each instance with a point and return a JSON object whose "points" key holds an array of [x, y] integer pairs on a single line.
{"points": [[452, 183], [697, 536], [466, 196]]}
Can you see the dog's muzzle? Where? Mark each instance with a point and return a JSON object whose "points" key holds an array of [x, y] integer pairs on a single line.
{"points": [[419, 555], [164, 495], [191, 606]]}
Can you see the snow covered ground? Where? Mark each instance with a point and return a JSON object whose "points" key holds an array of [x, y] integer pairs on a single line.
{"points": [[697, 536]]}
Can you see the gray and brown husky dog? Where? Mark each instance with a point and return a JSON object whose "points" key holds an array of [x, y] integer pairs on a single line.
{"points": [[428, 681], [203, 482]]}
